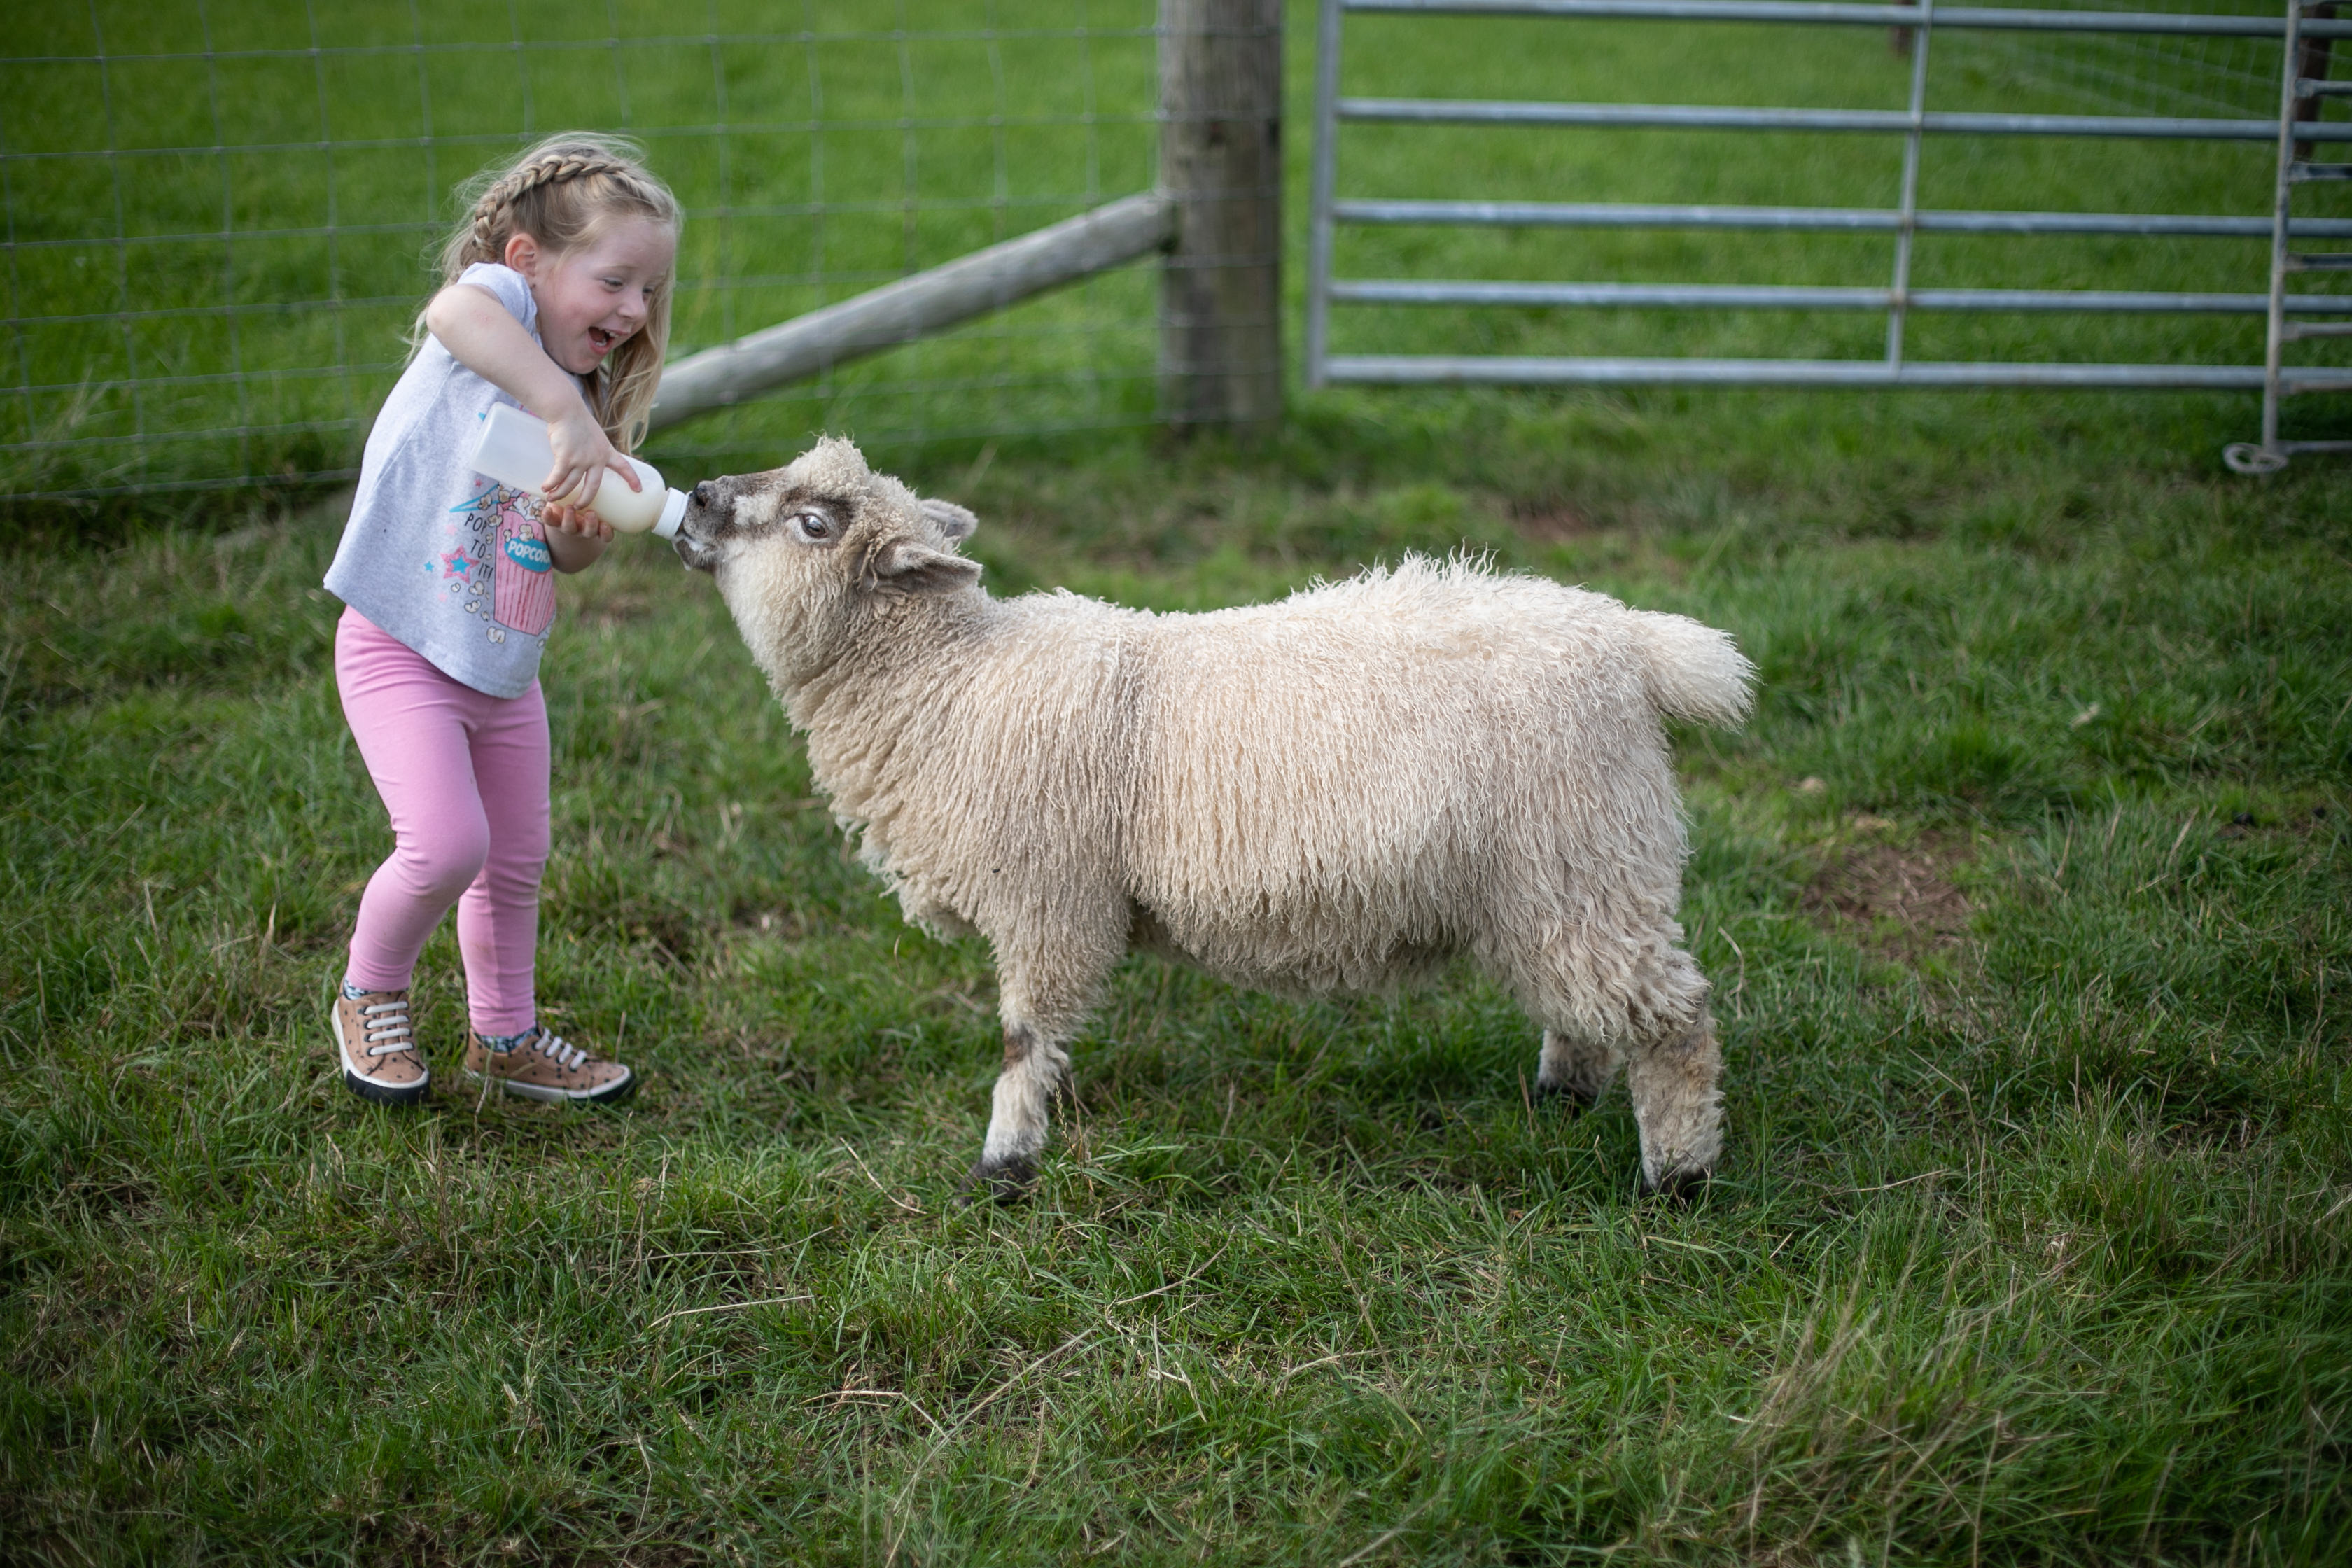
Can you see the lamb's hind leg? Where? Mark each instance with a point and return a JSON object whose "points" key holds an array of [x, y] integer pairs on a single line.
{"points": [[1655, 1004], [1673, 1075]]}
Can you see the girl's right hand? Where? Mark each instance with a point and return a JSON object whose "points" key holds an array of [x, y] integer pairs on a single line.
{"points": [[582, 453]]}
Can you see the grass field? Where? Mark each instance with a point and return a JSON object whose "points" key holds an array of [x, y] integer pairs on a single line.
{"points": [[2028, 897], [2031, 1246]]}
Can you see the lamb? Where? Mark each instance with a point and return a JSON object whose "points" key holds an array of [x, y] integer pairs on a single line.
{"points": [[1339, 792]]}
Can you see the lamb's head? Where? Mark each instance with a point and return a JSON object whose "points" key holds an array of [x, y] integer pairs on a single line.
{"points": [[808, 554]]}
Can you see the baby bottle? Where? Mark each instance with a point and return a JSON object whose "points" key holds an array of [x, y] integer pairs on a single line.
{"points": [[514, 450]]}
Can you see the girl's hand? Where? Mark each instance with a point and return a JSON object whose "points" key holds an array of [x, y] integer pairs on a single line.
{"points": [[583, 454], [560, 517], [576, 536]]}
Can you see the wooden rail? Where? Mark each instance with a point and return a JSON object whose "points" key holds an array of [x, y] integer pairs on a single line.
{"points": [[915, 307]]}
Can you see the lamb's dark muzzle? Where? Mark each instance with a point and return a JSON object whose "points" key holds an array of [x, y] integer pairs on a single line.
{"points": [[704, 512]]}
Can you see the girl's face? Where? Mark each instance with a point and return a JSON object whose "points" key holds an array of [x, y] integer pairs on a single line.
{"points": [[593, 297]]}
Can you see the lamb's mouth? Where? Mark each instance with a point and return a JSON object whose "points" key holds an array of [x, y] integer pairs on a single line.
{"points": [[697, 556]]}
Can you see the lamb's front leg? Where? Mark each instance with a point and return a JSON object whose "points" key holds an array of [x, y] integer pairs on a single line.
{"points": [[1047, 982], [1036, 1068], [1576, 1065]]}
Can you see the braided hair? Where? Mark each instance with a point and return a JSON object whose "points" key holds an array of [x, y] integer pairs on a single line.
{"points": [[558, 193]]}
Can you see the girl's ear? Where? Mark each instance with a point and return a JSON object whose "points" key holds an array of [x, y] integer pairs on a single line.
{"points": [[523, 255]]}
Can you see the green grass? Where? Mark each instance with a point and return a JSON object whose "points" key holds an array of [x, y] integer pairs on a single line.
{"points": [[2033, 1244]]}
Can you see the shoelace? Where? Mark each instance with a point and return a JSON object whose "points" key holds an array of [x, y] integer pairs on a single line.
{"points": [[555, 1048], [386, 1021]]}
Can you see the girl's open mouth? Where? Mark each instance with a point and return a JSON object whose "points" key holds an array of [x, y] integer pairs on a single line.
{"points": [[600, 341]]}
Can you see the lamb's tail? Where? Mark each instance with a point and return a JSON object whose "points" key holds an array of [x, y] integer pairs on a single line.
{"points": [[1694, 671]]}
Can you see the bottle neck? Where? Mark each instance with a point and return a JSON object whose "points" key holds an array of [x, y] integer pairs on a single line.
{"points": [[673, 514]]}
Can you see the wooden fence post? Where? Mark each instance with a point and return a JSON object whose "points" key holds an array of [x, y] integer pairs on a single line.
{"points": [[2314, 65], [1220, 162]]}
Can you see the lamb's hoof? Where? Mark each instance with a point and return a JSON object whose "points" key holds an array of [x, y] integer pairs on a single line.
{"points": [[1008, 1181], [1678, 1185], [1566, 1100]]}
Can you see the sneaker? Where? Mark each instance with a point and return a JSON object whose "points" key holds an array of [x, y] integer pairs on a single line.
{"points": [[378, 1049], [543, 1065]]}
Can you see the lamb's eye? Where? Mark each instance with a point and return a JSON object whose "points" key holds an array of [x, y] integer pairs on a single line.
{"points": [[814, 526]]}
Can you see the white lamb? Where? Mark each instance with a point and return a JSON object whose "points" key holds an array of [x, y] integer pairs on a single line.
{"points": [[1338, 791]]}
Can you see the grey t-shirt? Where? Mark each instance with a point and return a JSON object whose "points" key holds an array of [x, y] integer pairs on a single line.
{"points": [[449, 561]]}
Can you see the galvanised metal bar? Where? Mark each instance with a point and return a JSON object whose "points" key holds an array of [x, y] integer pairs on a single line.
{"points": [[1984, 18], [1498, 370], [1324, 177], [1798, 297], [1611, 296], [2271, 454], [2268, 458], [1884, 121], [1821, 220], [1907, 213]]}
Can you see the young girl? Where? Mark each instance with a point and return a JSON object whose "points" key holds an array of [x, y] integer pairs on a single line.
{"points": [[555, 298]]}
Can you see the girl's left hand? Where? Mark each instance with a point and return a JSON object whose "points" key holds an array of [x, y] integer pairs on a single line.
{"points": [[576, 520], [576, 536]]}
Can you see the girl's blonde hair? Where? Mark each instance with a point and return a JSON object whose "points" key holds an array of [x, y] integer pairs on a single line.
{"points": [[559, 193]]}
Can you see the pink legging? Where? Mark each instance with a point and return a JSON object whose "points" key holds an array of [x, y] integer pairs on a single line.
{"points": [[465, 777]]}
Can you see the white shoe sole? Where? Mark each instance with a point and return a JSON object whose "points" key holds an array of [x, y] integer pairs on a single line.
{"points": [[615, 1091]]}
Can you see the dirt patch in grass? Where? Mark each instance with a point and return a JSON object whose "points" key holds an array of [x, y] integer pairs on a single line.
{"points": [[617, 608], [1897, 896], [1551, 522]]}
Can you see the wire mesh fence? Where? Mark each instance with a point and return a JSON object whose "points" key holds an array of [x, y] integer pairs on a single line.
{"points": [[217, 211], [2229, 78]]}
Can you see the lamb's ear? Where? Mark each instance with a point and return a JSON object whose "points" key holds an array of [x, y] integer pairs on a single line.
{"points": [[955, 520], [910, 566]]}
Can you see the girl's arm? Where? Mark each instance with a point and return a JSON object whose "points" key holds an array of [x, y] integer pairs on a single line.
{"points": [[481, 335]]}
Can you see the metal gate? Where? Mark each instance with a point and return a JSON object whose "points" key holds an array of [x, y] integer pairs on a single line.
{"points": [[1898, 299]]}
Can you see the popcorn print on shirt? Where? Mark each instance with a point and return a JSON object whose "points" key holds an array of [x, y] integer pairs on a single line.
{"points": [[499, 566]]}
